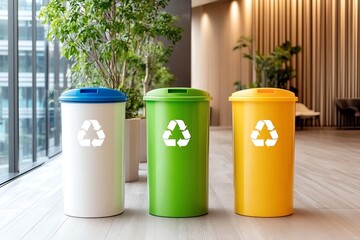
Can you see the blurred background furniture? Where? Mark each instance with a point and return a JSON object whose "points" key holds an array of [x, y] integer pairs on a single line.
{"points": [[303, 114], [347, 112]]}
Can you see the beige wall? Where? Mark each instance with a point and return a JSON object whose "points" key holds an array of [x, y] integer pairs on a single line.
{"points": [[327, 67], [215, 67]]}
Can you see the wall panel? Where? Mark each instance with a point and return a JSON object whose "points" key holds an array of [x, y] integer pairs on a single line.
{"points": [[180, 60], [327, 31], [215, 66]]}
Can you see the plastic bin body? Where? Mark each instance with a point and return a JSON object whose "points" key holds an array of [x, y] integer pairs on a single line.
{"points": [[263, 139], [92, 155], [178, 151]]}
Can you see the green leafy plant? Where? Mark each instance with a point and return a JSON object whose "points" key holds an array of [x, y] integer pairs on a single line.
{"points": [[150, 66], [272, 70], [113, 43], [134, 102], [239, 86]]}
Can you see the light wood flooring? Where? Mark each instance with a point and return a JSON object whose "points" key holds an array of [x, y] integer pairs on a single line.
{"points": [[327, 200]]}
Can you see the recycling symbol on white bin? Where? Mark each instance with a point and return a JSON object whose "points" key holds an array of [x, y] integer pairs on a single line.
{"points": [[182, 142], [261, 142], [96, 142]]}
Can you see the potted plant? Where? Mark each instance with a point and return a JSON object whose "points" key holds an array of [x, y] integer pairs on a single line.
{"points": [[153, 74], [113, 43], [272, 70]]}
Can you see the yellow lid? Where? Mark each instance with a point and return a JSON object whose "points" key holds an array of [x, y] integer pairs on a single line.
{"points": [[263, 94]]}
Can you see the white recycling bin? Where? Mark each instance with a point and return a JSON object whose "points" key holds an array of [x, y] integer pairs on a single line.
{"points": [[93, 151]]}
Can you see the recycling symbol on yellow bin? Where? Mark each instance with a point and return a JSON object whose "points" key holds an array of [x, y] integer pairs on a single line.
{"points": [[96, 142], [262, 142], [182, 142]]}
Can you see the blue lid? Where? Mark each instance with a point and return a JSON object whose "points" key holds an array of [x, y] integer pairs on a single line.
{"points": [[93, 95]]}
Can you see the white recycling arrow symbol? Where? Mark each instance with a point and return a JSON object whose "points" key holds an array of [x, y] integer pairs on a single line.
{"points": [[182, 142], [96, 142], [270, 142]]}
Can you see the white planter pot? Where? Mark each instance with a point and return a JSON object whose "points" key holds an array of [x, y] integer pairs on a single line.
{"points": [[131, 150], [142, 148]]}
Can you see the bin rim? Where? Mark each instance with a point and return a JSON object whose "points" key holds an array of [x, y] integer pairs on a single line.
{"points": [[93, 95], [177, 94], [263, 95]]}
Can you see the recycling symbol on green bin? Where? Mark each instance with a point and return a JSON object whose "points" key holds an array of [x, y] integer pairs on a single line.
{"points": [[96, 142], [182, 142], [270, 142]]}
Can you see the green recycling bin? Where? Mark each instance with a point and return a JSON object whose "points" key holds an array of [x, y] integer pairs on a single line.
{"points": [[177, 123]]}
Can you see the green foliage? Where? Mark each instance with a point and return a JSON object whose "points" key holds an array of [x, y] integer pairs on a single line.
{"points": [[153, 72], [238, 86], [114, 43], [161, 78], [134, 103], [272, 70]]}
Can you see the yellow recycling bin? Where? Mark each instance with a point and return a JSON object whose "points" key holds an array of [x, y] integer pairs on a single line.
{"points": [[263, 137]]}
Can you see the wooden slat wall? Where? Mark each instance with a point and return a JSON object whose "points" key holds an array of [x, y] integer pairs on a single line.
{"points": [[328, 32]]}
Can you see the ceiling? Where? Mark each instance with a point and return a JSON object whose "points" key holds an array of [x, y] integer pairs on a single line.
{"points": [[197, 3]]}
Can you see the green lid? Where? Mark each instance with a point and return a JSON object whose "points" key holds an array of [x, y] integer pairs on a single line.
{"points": [[263, 95], [177, 94]]}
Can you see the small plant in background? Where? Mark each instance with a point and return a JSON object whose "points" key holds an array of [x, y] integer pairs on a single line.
{"points": [[272, 70], [150, 67], [134, 103], [239, 86]]}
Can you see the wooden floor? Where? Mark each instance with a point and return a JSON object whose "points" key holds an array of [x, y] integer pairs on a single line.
{"points": [[327, 200]]}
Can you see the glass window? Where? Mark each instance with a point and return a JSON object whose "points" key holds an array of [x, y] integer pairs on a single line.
{"points": [[41, 63], [25, 61], [54, 105], [3, 63], [40, 88], [25, 5], [4, 99], [3, 5], [3, 27], [4, 134], [25, 30], [25, 84], [51, 79], [40, 32]]}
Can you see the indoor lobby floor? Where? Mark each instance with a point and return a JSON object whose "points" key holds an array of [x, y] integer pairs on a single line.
{"points": [[326, 200]]}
